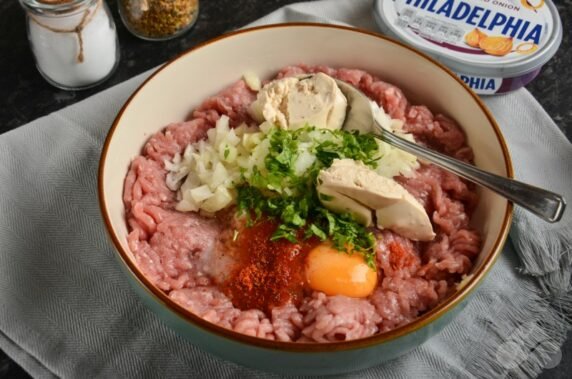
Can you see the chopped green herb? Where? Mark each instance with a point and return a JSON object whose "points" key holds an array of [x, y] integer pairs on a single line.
{"points": [[325, 197], [279, 192], [315, 230]]}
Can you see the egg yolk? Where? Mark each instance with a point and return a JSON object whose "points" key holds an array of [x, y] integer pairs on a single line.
{"points": [[337, 273]]}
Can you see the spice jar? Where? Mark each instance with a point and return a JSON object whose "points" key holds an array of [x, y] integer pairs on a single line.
{"points": [[74, 42], [158, 20]]}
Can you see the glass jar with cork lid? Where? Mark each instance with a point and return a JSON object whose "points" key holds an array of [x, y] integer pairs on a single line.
{"points": [[74, 42], [158, 20]]}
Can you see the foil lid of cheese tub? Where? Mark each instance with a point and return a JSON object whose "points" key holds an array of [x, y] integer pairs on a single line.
{"points": [[495, 39]]}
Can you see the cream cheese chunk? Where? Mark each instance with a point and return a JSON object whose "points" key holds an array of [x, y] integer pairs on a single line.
{"points": [[291, 103], [395, 208], [252, 80], [406, 217], [339, 203]]}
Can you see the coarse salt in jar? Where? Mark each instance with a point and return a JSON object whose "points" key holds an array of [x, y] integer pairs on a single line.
{"points": [[494, 46], [74, 42]]}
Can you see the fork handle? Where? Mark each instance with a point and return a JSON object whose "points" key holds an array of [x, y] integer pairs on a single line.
{"points": [[547, 205]]}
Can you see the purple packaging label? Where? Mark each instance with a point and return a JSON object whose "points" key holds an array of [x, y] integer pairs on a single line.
{"points": [[479, 31], [483, 85], [501, 43]]}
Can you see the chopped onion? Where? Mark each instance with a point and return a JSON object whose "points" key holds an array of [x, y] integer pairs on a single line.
{"points": [[201, 193], [252, 80], [220, 200], [209, 170]]}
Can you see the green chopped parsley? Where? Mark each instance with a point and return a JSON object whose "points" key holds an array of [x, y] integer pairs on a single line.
{"points": [[279, 192]]}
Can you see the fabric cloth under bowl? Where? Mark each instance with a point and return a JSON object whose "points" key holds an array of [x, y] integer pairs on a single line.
{"points": [[68, 311]]}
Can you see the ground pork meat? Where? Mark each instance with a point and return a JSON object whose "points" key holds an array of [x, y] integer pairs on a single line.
{"points": [[174, 250], [338, 318]]}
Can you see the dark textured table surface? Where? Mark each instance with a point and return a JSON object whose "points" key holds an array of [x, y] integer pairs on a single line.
{"points": [[25, 96]]}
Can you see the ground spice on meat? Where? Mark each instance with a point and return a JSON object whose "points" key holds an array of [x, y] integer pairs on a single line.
{"points": [[269, 274], [400, 257]]}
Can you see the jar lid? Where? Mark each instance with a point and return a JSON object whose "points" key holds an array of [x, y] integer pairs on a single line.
{"points": [[54, 1], [481, 37], [55, 6]]}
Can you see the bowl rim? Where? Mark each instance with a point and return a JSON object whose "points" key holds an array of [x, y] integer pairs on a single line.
{"points": [[432, 315]]}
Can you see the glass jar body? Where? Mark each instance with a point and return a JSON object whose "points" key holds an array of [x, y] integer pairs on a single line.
{"points": [[158, 20], [74, 43]]}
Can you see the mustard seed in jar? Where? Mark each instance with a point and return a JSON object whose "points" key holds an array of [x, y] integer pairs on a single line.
{"points": [[158, 19]]}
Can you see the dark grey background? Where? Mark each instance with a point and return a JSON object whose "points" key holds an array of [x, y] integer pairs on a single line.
{"points": [[25, 96]]}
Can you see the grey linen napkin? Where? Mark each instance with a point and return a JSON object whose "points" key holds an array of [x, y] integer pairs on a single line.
{"points": [[67, 311]]}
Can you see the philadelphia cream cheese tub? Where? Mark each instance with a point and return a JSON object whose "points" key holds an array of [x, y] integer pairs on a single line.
{"points": [[494, 46]]}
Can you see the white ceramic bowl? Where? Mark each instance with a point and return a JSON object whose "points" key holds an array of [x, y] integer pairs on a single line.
{"points": [[174, 90]]}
